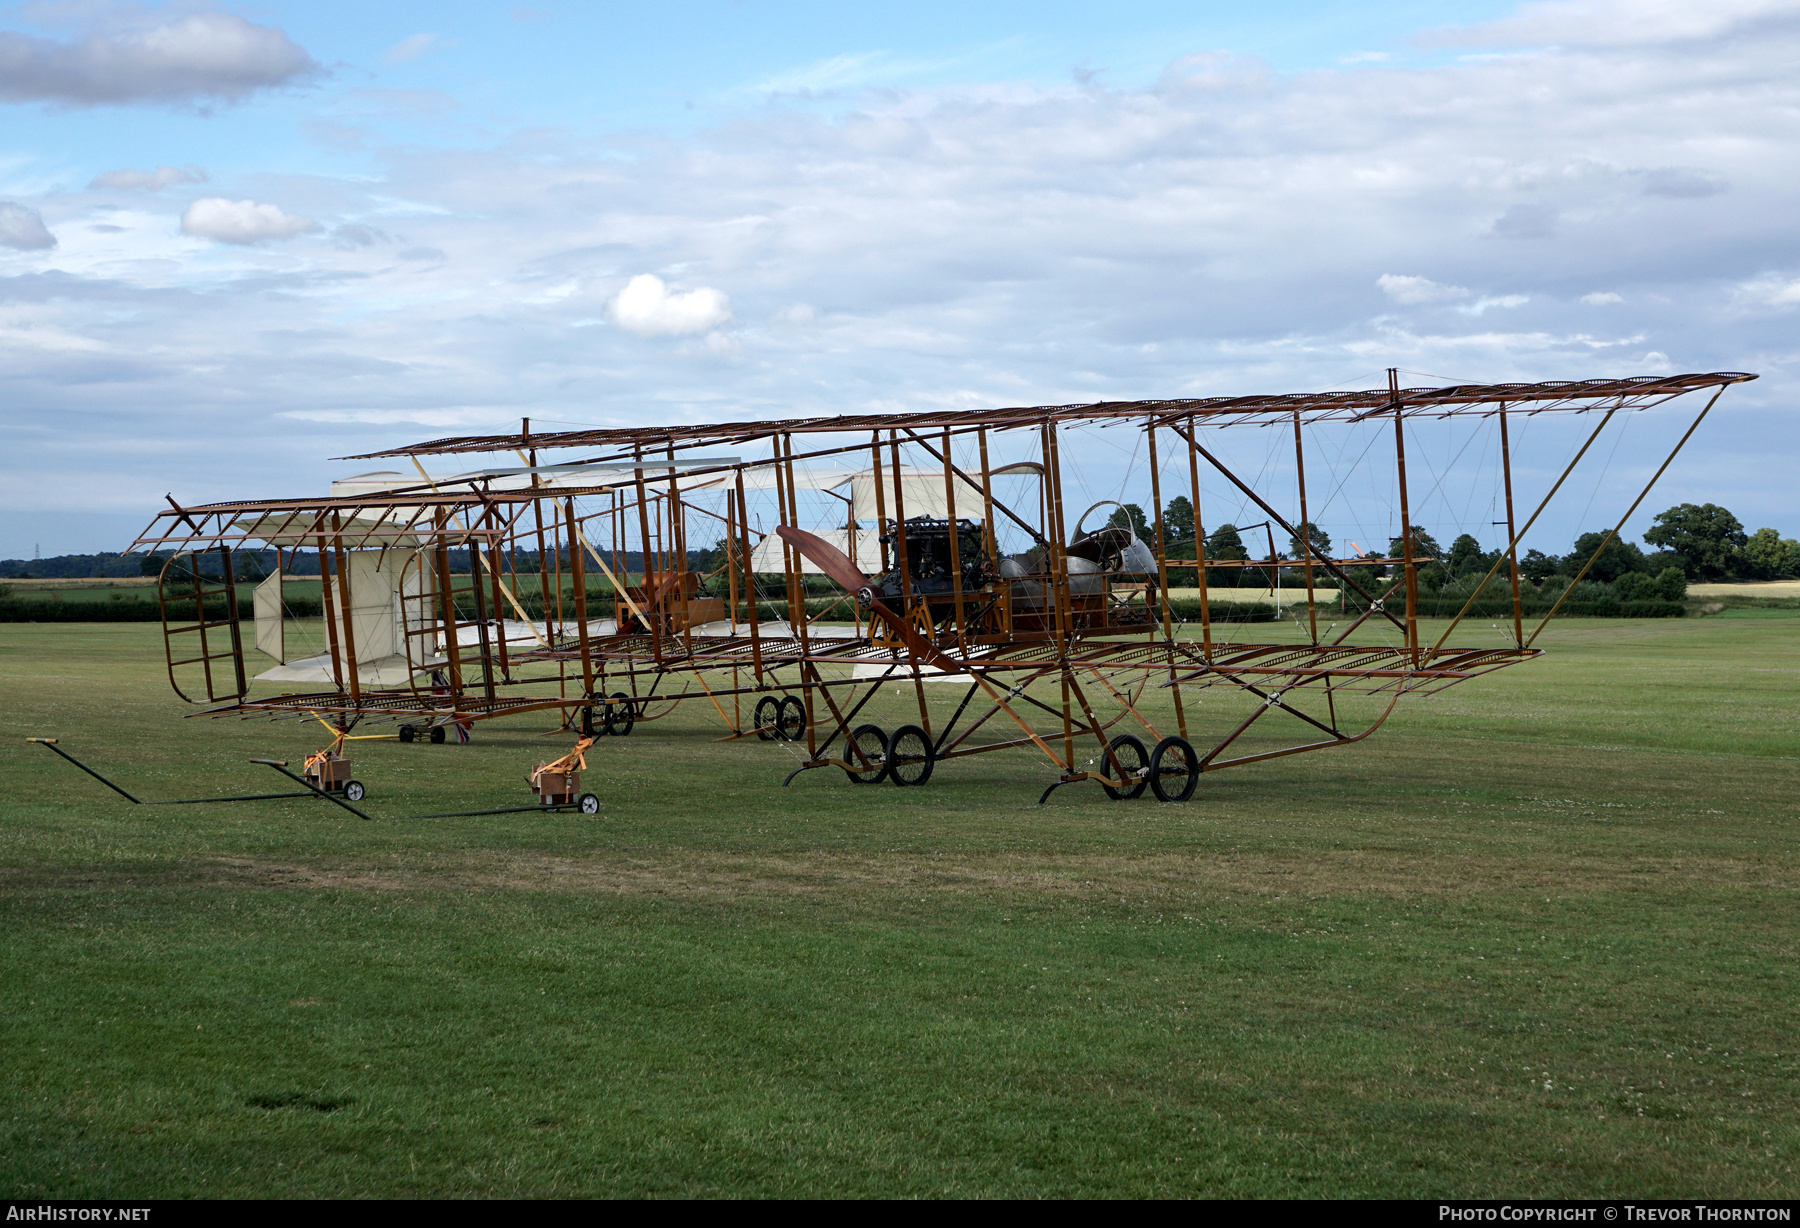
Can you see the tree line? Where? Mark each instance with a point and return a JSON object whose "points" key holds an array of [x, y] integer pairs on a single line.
{"points": [[1700, 542], [1691, 543]]}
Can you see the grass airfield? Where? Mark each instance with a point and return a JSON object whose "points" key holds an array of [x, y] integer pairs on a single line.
{"points": [[1537, 936]]}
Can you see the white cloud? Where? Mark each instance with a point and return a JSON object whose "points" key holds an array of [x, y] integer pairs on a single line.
{"points": [[241, 221], [1479, 306], [1409, 291], [149, 181], [647, 308], [1771, 291], [1602, 298], [1590, 23], [995, 245], [23, 228], [191, 58], [412, 48]]}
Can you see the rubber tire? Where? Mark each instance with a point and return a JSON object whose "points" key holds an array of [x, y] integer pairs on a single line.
{"points": [[874, 747], [768, 711], [588, 728], [408, 733], [1122, 746], [587, 803], [899, 753], [1191, 762], [790, 725], [620, 715], [354, 791], [437, 735]]}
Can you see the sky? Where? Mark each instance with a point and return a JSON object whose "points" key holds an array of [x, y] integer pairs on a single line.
{"points": [[237, 241]]}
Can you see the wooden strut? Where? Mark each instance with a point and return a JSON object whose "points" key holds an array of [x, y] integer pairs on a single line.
{"points": [[1512, 549], [1162, 573], [1306, 546], [1406, 534]]}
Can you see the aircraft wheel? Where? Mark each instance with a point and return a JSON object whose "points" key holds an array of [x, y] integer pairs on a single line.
{"points": [[1135, 761], [790, 723], [353, 790], [437, 735], [408, 733], [587, 803], [620, 716], [1174, 770], [768, 712], [909, 756], [871, 742]]}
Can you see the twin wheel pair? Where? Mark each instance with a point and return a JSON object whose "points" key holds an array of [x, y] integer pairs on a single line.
{"points": [[611, 717], [905, 756], [1171, 770]]}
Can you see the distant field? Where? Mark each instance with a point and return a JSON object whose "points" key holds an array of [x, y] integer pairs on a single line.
{"points": [[1766, 588], [96, 582], [1291, 594], [1537, 937]]}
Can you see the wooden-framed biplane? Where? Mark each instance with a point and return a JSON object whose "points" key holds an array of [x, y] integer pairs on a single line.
{"points": [[865, 560]]}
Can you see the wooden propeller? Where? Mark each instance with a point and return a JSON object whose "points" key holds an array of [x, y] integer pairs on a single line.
{"points": [[842, 572]]}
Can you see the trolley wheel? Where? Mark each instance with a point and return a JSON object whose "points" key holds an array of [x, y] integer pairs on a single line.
{"points": [[1135, 761], [408, 733], [353, 790], [790, 721], [1174, 760], [437, 735], [909, 756], [587, 803], [768, 714], [868, 744], [620, 715]]}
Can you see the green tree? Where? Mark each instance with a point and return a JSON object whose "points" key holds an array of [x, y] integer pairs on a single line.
{"points": [[1615, 560], [1425, 546], [1317, 537], [1224, 543], [1705, 536], [1468, 558], [1178, 521], [1131, 516], [1671, 584], [1766, 556], [1537, 566], [1178, 540]]}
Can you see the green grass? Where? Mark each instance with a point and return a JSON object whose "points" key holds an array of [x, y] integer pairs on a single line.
{"points": [[1535, 937]]}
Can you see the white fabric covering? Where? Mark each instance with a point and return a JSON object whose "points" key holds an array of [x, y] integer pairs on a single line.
{"points": [[271, 636], [765, 556], [385, 671]]}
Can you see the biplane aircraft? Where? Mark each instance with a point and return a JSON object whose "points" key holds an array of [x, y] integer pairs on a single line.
{"points": [[859, 565]]}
